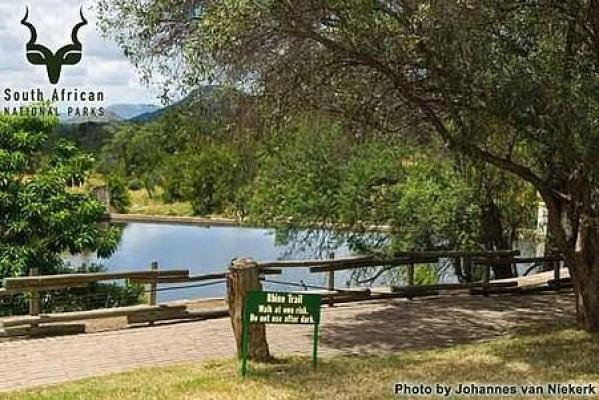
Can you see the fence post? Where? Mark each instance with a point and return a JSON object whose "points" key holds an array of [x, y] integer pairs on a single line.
{"points": [[153, 285], [34, 301], [411, 273], [466, 267], [486, 277], [241, 279], [410, 278], [331, 282]]}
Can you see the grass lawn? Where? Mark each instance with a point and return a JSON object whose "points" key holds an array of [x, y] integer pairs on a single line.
{"points": [[141, 203], [562, 355]]}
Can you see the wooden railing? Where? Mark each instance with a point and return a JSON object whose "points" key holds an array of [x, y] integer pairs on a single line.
{"points": [[34, 285], [37, 322], [477, 259]]}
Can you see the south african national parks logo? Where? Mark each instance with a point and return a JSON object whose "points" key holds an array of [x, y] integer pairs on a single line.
{"points": [[38, 54]]}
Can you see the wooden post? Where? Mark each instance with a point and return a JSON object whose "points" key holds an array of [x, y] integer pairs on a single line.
{"points": [[467, 268], [34, 301], [331, 282], [486, 277], [152, 298], [410, 278], [411, 274], [153, 285], [556, 270], [241, 279]]}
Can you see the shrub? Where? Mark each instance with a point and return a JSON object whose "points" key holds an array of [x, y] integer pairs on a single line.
{"points": [[213, 179], [134, 184], [119, 195]]}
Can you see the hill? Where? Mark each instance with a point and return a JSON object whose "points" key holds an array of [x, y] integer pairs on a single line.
{"points": [[108, 117], [204, 93], [129, 111]]}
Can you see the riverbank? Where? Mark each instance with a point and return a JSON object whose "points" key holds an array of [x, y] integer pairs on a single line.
{"points": [[142, 203], [172, 219], [216, 221], [154, 210]]}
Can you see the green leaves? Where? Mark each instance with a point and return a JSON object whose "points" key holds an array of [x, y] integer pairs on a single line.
{"points": [[313, 174], [299, 174], [41, 216], [214, 174]]}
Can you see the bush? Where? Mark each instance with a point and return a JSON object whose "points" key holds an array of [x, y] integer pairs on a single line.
{"points": [[134, 184], [174, 179], [214, 179], [43, 213], [119, 195]]}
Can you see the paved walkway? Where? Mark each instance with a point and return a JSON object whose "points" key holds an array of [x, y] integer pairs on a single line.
{"points": [[365, 328]]}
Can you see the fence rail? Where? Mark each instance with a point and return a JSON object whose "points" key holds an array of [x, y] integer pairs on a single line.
{"points": [[64, 281], [37, 323]]}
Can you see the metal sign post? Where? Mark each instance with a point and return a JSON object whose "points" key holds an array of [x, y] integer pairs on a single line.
{"points": [[279, 308]]}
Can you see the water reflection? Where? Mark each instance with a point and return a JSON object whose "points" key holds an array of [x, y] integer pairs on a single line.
{"points": [[204, 250]]}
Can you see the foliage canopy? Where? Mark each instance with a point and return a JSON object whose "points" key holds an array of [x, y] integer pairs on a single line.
{"points": [[42, 213]]}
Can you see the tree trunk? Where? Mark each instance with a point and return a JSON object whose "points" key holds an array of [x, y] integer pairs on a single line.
{"points": [[577, 236], [551, 246], [493, 238], [585, 277], [243, 278]]}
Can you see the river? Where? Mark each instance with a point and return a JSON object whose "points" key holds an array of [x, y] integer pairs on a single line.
{"points": [[208, 249], [201, 250]]}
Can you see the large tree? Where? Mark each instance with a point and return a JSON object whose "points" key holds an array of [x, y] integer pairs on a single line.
{"points": [[509, 83], [312, 173], [43, 213]]}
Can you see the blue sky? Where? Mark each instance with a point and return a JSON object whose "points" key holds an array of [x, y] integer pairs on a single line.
{"points": [[103, 67]]}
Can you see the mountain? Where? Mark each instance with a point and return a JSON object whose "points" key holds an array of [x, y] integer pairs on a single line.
{"points": [[152, 115], [116, 113], [108, 117], [129, 111], [205, 93]]}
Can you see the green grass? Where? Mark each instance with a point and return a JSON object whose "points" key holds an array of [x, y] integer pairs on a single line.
{"points": [[563, 355], [141, 203]]}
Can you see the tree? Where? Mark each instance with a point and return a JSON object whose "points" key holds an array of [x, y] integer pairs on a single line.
{"points": [[120, 199], [511, 84], [135, 151], [299, 172], [312, 174], [215, 174], [199, 149], [42, 214]]}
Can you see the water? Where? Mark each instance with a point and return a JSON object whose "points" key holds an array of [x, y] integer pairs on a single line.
{"points": [[203, 250]]}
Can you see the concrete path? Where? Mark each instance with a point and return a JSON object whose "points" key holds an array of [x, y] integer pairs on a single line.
{"points": [[381, 327]]}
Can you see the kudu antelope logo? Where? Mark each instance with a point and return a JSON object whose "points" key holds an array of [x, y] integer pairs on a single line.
{"points": [[38, 54]]}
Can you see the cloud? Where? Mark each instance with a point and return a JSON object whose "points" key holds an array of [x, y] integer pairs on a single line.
{"points": [[102, 68]]}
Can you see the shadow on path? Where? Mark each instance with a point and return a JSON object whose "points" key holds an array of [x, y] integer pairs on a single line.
{"points": [[443, 321]]}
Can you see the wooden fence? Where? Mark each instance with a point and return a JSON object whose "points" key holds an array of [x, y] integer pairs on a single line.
{"points": [[476, 259], [38, 323]]}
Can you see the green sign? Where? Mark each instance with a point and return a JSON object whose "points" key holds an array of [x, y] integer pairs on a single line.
{"points": [[279, 308]]}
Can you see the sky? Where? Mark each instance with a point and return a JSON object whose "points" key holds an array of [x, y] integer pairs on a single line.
{"points": [[103, 66]]}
